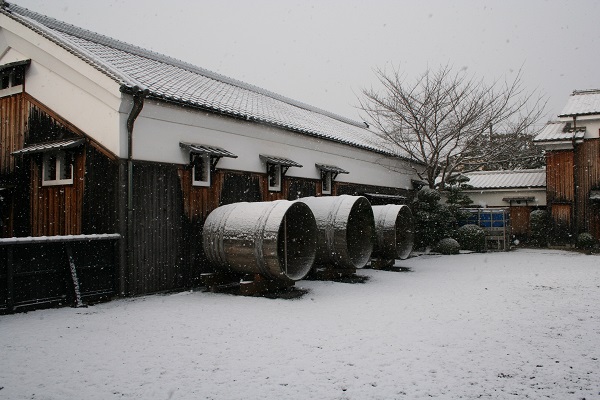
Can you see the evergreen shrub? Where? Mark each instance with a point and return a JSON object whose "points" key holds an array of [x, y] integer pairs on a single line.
{"points": [[447, 246], [539, 223], [585, 241], [471, 237]]}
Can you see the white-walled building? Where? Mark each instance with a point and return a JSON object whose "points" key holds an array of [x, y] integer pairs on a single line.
{"points": [[99, 136]]}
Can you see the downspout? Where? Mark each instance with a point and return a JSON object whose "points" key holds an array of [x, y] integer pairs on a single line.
{"points": [[126, 218], [574, 221]]}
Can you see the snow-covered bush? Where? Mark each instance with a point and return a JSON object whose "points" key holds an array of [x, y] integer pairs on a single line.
{"points": [[539, 223], [585, 241], [471, 237], [447, 246]]}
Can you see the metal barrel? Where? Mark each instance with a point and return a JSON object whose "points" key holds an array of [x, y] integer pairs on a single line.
{"points": [[394, 232], [275, 239], [344, 230]]}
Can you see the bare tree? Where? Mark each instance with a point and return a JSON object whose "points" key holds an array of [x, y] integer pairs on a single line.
{"points": [[440, 117], [509, 150]]}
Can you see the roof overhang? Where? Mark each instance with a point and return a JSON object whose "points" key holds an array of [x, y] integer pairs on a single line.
{"points": [[588, 114], [49, 146], [15, 64], [519, 199], [558, 144], [331, 168], [212, 151], [284, 162]]}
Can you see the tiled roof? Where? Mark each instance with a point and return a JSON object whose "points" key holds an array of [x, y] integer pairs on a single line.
{"points": [[527, 178], [582, 102], [560, 131], [173, 80]]}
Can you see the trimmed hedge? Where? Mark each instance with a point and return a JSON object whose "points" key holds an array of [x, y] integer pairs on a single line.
{"points": [[471, 237], [585, 241], [447, 246]]}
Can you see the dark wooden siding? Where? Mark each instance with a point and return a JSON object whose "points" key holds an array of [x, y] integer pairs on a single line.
{"points": [[587, 163], [562, 214], [199, 201], [37, 274], [242, 186], [13, 117], [100, 193], [157, 241], [57, 210], [519, 220], [570, 176], [560, 186], [298, 188]]}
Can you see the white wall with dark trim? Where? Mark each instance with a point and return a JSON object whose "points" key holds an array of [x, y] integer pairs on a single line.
{"points": [[160, 127]]}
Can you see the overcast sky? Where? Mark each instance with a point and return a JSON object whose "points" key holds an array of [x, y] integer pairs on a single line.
{"points": [[324, 52]]}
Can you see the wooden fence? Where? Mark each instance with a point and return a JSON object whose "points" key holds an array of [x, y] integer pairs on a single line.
{"points": [[47, 271]]}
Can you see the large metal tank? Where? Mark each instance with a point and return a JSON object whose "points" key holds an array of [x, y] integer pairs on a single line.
{"points": [[344, 230], [275, 239], [394, 232]]}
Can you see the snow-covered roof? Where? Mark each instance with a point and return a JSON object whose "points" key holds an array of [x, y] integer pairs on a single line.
{"points": [[49, 146], [582, 102], [285, 162], [557, 131], [176, 81], [527, 178]]}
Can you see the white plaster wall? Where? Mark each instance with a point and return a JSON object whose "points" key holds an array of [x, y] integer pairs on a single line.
{"points": [[70, 87], [591, 122], [11, 55], [494, 198], [592, 128], [160, 127]]}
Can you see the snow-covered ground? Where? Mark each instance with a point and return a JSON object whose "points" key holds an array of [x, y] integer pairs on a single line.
{"points": [[524, 324]]}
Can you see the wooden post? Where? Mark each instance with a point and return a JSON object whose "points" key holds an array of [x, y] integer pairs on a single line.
{"points": [[10, 283], [78, 301]]}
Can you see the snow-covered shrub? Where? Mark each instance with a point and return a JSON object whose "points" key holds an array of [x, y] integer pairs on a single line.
{"points": [[447, 246], [539, 223], [471, 237], [585, 241]]}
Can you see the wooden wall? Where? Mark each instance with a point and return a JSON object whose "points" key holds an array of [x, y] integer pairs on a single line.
{"points": [[86, 206], [100, 190], [570, 176], [560, 185], [519, 220], [13, 117], [587, 162], [56, 210], [159, 234]]}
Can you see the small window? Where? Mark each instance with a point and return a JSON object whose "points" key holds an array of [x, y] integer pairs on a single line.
{"points": [[5, 81], [201, 170], [11, 78], [274, 176], [57, 169], [326, 180]]}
